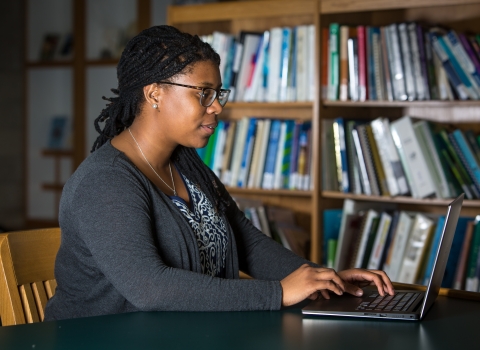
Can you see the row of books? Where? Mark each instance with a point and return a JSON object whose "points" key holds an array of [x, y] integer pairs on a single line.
{"points": [[400, 61], [406, 156], [276, 65], [278, 223], [402, 243], [261, 153]]}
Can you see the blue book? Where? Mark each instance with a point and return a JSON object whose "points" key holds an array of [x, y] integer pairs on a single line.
{"points": [[269, 170], [471, 164], [294, 156], [452, 75], [433, 249], [247, 153], [227, 74], [285, 62], [331, 228], [463, 162], [449, 276]]}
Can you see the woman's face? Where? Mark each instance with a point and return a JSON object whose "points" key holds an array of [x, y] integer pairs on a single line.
{"points": [[185, 120]]}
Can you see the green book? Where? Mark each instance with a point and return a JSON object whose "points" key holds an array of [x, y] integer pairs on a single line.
{"points": [[332, 249], [471, 280], [333, 62], [371, 239]]}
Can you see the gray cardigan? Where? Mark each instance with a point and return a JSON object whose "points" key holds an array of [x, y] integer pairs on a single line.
{"points": [[126, 247]]}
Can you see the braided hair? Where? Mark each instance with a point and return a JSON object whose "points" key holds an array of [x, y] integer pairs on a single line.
{"points": [[158, 54]]}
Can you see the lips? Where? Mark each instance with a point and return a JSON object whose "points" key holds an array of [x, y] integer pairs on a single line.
{"points": [[209, 128]]}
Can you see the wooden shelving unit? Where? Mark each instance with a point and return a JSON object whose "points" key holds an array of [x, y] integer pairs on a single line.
{"points": [[232, 17]]}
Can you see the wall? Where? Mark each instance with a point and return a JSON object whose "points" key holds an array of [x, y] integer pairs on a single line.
{"points": [[11, 115]]}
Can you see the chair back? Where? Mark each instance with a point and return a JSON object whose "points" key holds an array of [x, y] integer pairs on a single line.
{"points": [[27, 281]]}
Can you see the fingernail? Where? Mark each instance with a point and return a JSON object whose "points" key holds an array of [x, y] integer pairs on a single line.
{"points": [[359, 292]]}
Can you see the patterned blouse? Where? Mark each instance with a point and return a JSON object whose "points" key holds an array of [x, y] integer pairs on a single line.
{"points": [[209, 228]]}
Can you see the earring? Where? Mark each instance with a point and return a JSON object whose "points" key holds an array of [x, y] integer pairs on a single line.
{"points": [[155, 106]]}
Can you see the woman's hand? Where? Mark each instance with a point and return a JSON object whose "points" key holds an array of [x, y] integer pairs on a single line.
{"points": [[307, 281], [354, 279]]}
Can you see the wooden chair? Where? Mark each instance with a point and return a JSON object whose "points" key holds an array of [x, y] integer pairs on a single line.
{"points": [[27, 281]]}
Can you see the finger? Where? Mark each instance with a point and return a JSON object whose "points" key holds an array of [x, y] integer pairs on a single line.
{"points": [[313, 296], [387, 283], [331, 275], [353, 289], [325, 294]]}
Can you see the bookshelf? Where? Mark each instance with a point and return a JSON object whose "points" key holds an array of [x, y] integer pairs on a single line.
{"points": [[232, 17]]}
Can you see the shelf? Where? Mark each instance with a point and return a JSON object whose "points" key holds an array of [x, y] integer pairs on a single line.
{"points": [[398, 200], [259, 191], [57, 152], [394, 104], [49, 64], [53, 187], [236, 10], [345, 6]]}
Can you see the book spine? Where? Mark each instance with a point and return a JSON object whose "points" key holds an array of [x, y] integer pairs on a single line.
{"points": [[247, 153], [378, 64], [274, 64], [471, 279], [333, 62], [380, 240], [361, 162], [386, 63], [362, 63], [396, 64], [468, 159], [372, 91], [277, 179], [423, 60], [353, 68], [368, 159], [431, 75], [325, 62], [379, 171], [418, 74], [344, 31], [286, 43], [407, 61], [268, 175]]}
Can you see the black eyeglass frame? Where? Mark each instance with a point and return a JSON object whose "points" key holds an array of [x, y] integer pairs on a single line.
{"points": [[217, 92]]}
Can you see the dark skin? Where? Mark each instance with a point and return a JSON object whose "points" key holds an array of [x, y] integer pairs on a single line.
{"points": [[181, 120]]}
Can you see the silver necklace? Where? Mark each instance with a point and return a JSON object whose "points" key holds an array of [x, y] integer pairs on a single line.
{"points": [[150, 165]]}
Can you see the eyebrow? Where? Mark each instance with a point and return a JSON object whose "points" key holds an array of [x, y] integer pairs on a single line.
{"points": [[208, 84]]}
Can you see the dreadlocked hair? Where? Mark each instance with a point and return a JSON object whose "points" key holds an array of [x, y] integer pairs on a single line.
{"points": [[158, 54]]}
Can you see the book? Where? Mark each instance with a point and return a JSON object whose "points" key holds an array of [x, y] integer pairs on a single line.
{"points": [[366, 234], [429, 63], [277, 178], [471, 278], [382, 180], [292, 67], [368, 159], [371, 238], [419, 71], [341, 154], [448, 278], [353, 84], [331, 228], [389, 239], [343, 57], [432, 251], [459, 279], [407, 57], [312, 72], [272, 149], [371, 87], [329, 168], [288, 150], [378, 63], [418, 175], [239, 146], [256, 181], [415, 250], [251, 42], [397, 248], [395, 176], [228, 150], [386, 64], [217, 160], [324, 62], [254, 90], [333, 61], [247, 153], [353, 162], [396, 63], [362, 63], [365, 182], [302, 64], [285, 63], [255, 160], [469, 159], [274, 64], [380, 241], [57, 135], [426, 141]]}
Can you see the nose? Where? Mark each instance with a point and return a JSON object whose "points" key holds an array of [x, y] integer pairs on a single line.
{"points": [[215, 107]]}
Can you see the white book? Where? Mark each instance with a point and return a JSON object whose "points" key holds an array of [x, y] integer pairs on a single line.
{"points": [[365, 234], [420, 179], [256, 153], [415, 249], [396, 180], [278, 178], [311, 71], [219, 147], [396, 66], [238, 150], [407, 61], [352, 68], [396, 252], [302, 62], [420, 88], [254, 92], [228, 150], [424, 135], [380, 240], [274, 64], [250, 47], [444, 88], [257, 182]]}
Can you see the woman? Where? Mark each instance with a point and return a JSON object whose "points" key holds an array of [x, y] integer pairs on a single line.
{"points": [[147, 226]]}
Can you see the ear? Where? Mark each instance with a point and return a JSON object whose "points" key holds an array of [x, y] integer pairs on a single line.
{"points": [[151, 92]]}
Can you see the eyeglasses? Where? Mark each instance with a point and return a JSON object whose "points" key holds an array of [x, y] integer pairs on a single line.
{"points": [[208, 95]]}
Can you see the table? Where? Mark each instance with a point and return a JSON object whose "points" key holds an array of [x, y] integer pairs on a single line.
{"points": [[450, 324]]}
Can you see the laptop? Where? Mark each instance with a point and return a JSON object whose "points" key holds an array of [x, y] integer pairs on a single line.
{"points": [[405, 304]]}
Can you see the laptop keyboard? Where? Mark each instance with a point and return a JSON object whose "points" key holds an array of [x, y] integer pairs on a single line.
{"points": [[398, 302]]}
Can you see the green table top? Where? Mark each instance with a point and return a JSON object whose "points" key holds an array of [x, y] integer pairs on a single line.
{"points": [[450, 324]]}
